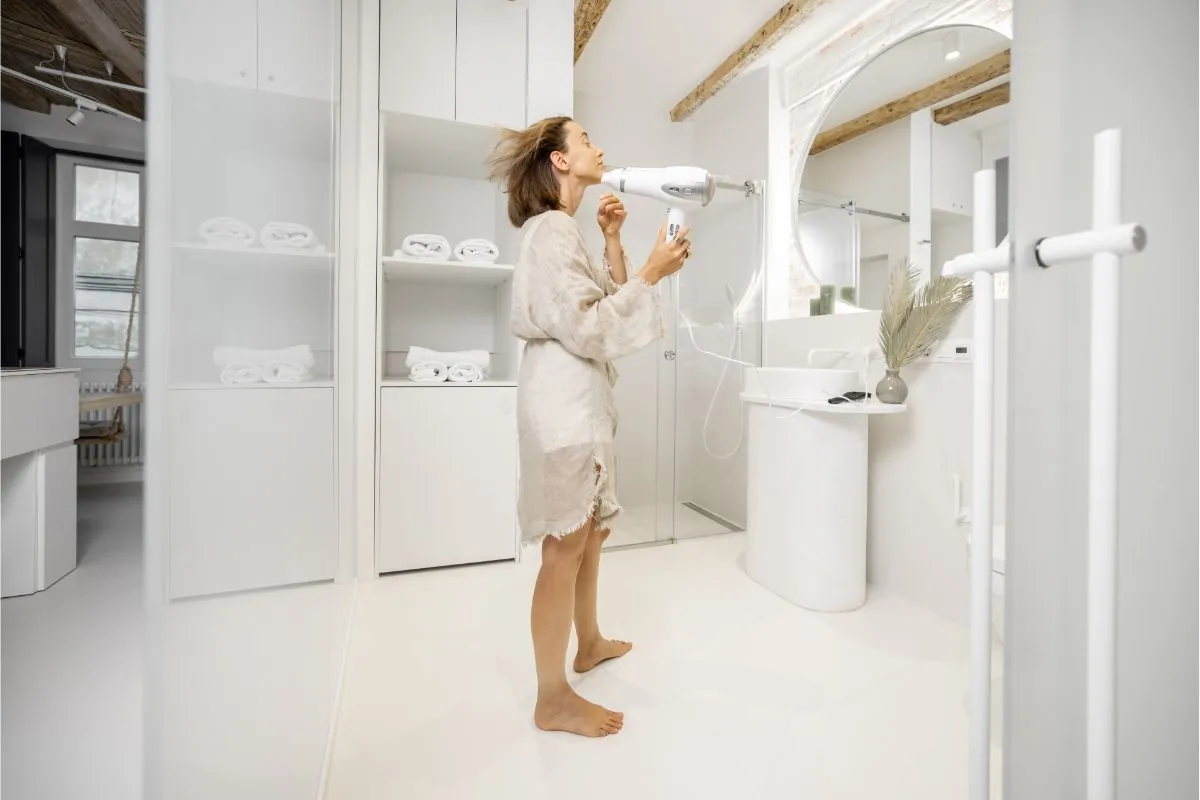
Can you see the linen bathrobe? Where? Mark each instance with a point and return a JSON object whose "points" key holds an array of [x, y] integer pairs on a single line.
{"points": [[574, 321]]}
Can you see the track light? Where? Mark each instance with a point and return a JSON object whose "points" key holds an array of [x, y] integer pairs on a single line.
{"points": [[76, 116], [952, 45]]}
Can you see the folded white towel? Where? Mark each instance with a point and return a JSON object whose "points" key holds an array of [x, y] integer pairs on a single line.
{"points": [[285, 372], [226, 232], [300, 354], [428, 372], [288, 236], [480, 358], [477, 251], [426, 246], [239, 372], [465, 372]]}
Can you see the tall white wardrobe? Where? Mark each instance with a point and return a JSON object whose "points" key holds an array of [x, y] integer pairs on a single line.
{"points": [[450, 73], [262, 119]]}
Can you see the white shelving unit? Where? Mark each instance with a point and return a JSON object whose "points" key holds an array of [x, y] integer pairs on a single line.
{"points": [[407, 270], [253, 135]]}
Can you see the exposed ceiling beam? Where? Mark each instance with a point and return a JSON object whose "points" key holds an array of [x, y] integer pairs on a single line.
{"points": [[781, 23], [956, 84], [587, 17], [90, 20], [22, 95], [975, 104]]}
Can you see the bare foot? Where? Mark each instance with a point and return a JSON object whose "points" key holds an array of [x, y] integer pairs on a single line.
{"points": [[589, 657], [571, 713]]}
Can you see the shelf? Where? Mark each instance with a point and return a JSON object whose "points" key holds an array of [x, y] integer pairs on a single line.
{"points": [[323, 383], [391, 383], [408, 270], [437, 146], [259, 253]]}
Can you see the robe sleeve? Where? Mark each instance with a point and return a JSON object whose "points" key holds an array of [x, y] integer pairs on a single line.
{"points": [[566, 302]]}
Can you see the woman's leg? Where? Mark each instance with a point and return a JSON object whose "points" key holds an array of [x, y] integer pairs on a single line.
{"points": [[559, 708], [593, 647]]}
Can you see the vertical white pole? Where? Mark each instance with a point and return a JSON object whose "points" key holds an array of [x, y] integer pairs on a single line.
{"points": [[1102, 478], [979, 773]]}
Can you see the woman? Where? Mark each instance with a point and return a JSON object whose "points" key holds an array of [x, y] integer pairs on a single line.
{"points": [[576, 316]]}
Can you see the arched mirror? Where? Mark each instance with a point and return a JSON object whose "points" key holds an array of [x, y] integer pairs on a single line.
{"points": [[889, 174]]}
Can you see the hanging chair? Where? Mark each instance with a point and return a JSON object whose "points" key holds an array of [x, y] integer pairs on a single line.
{"points": [[112, 430]]}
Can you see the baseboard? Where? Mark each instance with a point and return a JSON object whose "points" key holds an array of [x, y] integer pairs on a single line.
{"points": [[327, 763], [99, 476]]}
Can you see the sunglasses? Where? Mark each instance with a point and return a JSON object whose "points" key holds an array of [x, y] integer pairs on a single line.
{"points": [[849, 397]]}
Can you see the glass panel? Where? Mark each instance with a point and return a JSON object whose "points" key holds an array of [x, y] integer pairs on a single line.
{"points": [[104, 271], [110, 196], [827, 234]]}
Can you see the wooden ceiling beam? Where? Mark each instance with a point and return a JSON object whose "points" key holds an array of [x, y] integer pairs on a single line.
{"points": [[91, 21], [18, 93], [970, 106], [587, 17], [963, 81], [781, 23]]}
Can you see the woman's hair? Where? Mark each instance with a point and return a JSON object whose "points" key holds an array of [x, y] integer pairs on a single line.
{"points": [[522, 161]]}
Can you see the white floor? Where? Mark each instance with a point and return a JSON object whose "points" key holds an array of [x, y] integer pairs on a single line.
{"points": [[637, 525], [729, 693]]}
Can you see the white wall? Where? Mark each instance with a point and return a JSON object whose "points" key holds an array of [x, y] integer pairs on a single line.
{"points": [[100, 134], [914, 546], [872, 170]]}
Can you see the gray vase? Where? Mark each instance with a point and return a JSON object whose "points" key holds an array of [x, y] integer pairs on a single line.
{"points": [[892, 388]]}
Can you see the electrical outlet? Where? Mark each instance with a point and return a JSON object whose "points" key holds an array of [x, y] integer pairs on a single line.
{"points": [[951, 351]]}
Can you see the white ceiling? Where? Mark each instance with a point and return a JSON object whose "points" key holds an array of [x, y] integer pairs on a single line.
{"points": [[656, 51], [913, 64]]}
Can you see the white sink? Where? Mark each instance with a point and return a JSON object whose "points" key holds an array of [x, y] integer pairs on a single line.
{"points": [[798, 383]]}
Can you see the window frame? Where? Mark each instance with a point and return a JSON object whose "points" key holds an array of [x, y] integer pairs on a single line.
{"points": [[68, 229]]}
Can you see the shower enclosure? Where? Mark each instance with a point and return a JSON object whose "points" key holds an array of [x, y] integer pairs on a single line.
{"points": [[681, 439]]}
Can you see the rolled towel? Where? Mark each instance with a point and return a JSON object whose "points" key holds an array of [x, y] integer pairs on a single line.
{"points": [[428, 372], [300, 354], [286, 372], [226, 232], [477, 251], [426, 246], [288, 236], [480, 358], [240, 372], [465, 372]]}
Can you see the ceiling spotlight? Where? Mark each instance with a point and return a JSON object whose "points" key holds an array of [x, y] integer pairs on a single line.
{"points": [[952, 45], [76, 116]]}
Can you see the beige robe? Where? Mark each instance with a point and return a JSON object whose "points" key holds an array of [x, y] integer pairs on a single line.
{"points": [[575, 321]]}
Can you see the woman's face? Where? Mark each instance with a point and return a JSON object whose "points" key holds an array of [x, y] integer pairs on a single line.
{"points": [[582, 159]]}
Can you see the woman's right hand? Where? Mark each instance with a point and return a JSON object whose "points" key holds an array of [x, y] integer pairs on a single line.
{"points": [[667, 257]]}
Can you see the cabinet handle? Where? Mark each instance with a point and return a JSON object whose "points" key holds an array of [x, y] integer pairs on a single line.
{"points": [[271, 78], [243, 73]]}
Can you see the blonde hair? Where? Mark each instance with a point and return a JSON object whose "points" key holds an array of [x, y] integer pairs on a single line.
{"points": [[521, 160]]}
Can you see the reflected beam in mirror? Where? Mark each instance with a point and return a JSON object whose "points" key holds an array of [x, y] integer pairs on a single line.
{"points": [[975, 104], [963, 81], [587, 17], [781, 23]]}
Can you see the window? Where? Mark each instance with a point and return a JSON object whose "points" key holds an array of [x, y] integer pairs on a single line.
{"points": [[99, 233]]}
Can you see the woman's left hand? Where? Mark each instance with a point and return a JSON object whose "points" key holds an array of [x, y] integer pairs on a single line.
{"points": [[611, 214]]}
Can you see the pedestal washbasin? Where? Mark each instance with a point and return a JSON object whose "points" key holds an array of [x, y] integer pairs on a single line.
{"points": [[807, 494]]}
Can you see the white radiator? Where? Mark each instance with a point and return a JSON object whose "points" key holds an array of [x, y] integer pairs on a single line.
{"points": [[128, 451]]}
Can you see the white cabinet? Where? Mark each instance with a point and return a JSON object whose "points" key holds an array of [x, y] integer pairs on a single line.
{"points": [[416, 57], [956, 157], [550, 90], [447, 476], [283, 46], [296, 45], [251, 489], [489, 75], [38, 519]]}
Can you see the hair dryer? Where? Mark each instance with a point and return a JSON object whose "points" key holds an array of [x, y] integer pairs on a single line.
{"points": [[675, 186]]}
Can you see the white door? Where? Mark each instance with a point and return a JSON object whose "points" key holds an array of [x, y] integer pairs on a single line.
{"points": [[1080, 68], [447, 476], [489, 86], [296, 46], [416, 57], [252, 489], [214, 41]]}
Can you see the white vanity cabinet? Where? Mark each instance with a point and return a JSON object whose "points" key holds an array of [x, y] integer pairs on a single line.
{"points": [[447, 476], [956, 157], [480, 62], [279, 46]]}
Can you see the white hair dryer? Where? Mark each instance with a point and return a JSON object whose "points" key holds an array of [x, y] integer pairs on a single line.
{"points": [[675, 186]]}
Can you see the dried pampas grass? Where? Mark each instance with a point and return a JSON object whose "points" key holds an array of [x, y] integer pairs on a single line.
{"points": [[913, 320]]}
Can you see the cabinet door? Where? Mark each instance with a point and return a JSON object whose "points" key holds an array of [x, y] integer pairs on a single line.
{"points": [[214, 41], [447, 476], [416, 57], [296, 47], [551, 79], [252, 489], [19, 524], [57, 516], [489, 87], [956, 158]]}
